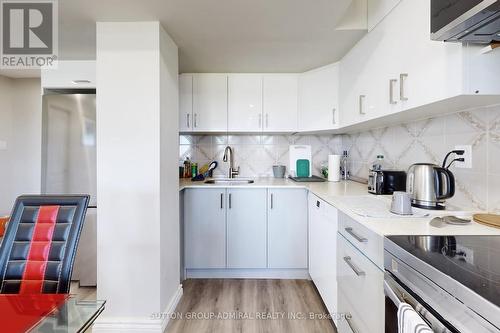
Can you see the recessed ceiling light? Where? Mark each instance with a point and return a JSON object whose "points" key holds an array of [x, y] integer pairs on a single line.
{"points": [[80, 81]]}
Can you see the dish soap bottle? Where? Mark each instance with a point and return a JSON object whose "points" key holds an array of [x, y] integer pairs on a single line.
{"points": [[187, 168], [344, 165]]}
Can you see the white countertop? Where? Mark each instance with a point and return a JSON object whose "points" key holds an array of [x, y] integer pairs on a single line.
{"points": [[336, 193]]}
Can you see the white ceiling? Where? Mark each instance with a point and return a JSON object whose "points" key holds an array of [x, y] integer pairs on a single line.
{"points": [[222, 35]]}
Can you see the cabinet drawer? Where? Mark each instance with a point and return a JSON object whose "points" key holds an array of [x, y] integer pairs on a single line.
{"points": [[349, 322], [365, 240], [361, 283]]}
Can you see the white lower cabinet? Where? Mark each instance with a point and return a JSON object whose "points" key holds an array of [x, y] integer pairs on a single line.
{"points": [[205, 228], [245, 232], [361, 290], [246, 228], [287, 228], [323, 250]]}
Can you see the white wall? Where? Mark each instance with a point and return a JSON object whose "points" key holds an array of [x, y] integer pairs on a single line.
{"points": [[137, 273], [21, 131], [169, 170]]}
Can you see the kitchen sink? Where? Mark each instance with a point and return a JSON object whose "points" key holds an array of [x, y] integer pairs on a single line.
{"points": [[230, 181]]}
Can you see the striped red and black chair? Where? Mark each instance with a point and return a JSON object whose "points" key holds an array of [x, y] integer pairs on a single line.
{"points": [[39, 245]]}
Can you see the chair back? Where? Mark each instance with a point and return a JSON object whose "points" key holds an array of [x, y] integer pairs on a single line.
{"points": [[3, 223], [39, 246]]}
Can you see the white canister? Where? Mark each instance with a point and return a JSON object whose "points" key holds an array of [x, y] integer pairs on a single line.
{"points": [[334, 168]]}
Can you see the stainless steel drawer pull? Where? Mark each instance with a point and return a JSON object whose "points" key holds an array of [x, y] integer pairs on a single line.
{"points": [[402, 78], [355, 269], [361, 100], [272, 201], [391, 91], [356, 236]]}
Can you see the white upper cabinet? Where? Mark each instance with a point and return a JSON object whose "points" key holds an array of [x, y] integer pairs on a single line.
{"points": [[378, 9], [70, 75], [280, 102], [319, 99], [209, 102], [185, 102], [394, 69], [245, 103]]}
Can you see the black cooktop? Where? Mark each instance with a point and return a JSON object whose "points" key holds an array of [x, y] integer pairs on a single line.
{"points": [[474, 261]]}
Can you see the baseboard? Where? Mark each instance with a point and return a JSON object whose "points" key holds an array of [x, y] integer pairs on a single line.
{"points": [[139, 324], [172, 305], [247, 274]]}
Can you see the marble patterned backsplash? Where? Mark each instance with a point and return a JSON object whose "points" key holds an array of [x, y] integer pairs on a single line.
{"points": [[256, 154], [402, 145], [429, 140]]}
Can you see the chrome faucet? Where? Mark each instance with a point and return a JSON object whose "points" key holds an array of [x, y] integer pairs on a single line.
{"points": [[228, 156]]}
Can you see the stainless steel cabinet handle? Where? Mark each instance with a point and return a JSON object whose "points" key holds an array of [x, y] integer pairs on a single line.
{"points": [[195, 120], [356, 236], [267, 120], [402, 78], [222, 201], [333, 115], [272, 201], [361, 100], [391, 91], [354, 268], [187, 120], [348, 320], [230, 205]]}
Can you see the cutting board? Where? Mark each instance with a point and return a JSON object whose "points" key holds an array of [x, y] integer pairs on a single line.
{"points": [[299, 152], [490, 220]]}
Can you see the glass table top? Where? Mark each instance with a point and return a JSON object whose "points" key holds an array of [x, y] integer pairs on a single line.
{"points": [[47, 313], [73, 316]]}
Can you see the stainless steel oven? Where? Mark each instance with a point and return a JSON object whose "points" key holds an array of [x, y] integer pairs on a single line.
{"points": [[414, 275]]}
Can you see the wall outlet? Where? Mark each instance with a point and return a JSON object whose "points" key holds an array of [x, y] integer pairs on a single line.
{"points": [[467, 156]]}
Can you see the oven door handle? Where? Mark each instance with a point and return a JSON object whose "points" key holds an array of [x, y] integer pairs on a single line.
{"points": [[422, 311]]}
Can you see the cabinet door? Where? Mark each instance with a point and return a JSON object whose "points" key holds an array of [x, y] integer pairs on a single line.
{"points": [[210, 102], [323, 220], [287, 228], [246, 228], [185, 102], [360, 284], [205, 228], [70, 74], [434, 69], [318, 98], [245, 102], [280, 102], [378, 9]]}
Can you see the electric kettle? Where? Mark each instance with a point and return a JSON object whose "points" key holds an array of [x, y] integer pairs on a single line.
{"points": [[429, 185]]}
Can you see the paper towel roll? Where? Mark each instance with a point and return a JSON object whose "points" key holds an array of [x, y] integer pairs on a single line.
{"points": [[334, 168]]}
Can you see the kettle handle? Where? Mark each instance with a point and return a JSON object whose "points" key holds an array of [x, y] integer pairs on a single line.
{"points": [[450, 183]]}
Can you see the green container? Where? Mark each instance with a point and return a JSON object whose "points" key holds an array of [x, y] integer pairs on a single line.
{"points": [[303, 168]]}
